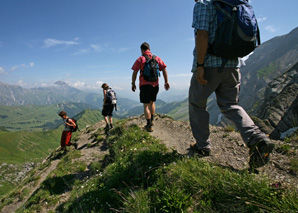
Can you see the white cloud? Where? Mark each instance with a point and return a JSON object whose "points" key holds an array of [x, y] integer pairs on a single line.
{"points": [[270, 28], [31, 64], [81, 52], [2, 70], [84, 86], [99, 83], [44, 85], [96, 47], [181, 75], [50, 42], [14, 68], [121, 50], [76, 38], [262, 19], [21, 83]]}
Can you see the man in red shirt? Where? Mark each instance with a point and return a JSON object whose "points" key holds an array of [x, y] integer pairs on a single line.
{"points": [[148, 89]]}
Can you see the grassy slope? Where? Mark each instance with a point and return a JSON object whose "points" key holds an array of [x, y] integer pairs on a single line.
{"points": [[20, 147], [140, 175], [36, 118]]}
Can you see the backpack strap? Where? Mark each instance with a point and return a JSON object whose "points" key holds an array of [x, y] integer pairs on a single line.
{"points": [[147, 57], [258, 36]]}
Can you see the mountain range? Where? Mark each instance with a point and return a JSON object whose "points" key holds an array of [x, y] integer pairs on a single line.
{"points": [[60, 92]]}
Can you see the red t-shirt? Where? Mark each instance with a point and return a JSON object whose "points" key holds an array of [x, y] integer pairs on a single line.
{"points": [[139, 65]]}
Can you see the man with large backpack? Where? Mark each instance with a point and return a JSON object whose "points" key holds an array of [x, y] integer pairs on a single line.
{"points": [[221, 38], [109, 103], [149, 65]]}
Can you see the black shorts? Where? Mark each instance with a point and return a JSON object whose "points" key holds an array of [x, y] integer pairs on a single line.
{"points": [[148, 93], [108, 110]]}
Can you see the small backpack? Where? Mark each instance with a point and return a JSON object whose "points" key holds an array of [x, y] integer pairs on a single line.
{"points": [[237, 33], [73, 128], [111, 96], [151, 69]]}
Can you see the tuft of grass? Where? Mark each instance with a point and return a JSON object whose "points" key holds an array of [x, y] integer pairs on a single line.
{"points": [[229, 128], [294, 165]]}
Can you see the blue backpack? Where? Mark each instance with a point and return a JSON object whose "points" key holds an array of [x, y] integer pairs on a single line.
{"points": [[237, 33], [151, 69]]}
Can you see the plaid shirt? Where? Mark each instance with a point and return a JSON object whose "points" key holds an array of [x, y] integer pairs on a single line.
{"points": [[204, 18], [139, 65]]}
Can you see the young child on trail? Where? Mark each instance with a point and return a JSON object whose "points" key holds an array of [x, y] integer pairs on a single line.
{"points": [[149, 65], [108, 106], [66, 134]]}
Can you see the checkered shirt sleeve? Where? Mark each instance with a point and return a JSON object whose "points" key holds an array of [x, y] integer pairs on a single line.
{"points": [[201, 16]]}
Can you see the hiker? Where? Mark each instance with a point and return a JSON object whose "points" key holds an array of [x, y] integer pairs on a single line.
{"points": [[109, 103], [149, 65], [209, 75], [66, 134]]}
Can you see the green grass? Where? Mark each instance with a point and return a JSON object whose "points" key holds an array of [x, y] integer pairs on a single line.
{"points": [[20, 147], [58, 182], [140, 175], [266, 72]]}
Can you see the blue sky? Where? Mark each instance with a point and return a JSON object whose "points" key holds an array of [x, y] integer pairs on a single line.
{"points": [[85, 43]]}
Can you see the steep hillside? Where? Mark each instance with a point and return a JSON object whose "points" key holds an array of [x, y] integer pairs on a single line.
{"points": [[129, 170], [20, 151], [37, 118], [268, 61], [279, 110]]}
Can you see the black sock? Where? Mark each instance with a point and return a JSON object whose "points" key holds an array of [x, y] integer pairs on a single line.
{"points": [[148, 121], [152, 118], [111, 125]]}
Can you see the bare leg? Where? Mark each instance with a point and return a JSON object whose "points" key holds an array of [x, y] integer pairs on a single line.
{"points": [[111, 119], [106, 120], [152, 108], [147, 111]]}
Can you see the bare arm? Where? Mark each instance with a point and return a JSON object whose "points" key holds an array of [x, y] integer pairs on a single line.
{"points": [[70, 123], [202, 39], [133, 81], [165, 76], [104, 96]]}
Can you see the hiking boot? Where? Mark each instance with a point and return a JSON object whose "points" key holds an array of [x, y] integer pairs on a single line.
{"points": [[75, 145], [111, 126], [201, 152], [148, 128], [260, 153], [152, 121], [107, 127]]}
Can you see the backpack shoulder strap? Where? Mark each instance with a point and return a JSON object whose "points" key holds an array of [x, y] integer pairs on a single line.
{"points": [[147, 57]]}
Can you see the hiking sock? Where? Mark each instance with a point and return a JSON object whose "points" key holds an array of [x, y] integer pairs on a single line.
{"points": [[152, 118], [111, 125], [148, 122]]}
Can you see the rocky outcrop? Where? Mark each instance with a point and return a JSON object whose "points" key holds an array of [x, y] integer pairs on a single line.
{"points": [[279, 110]]}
